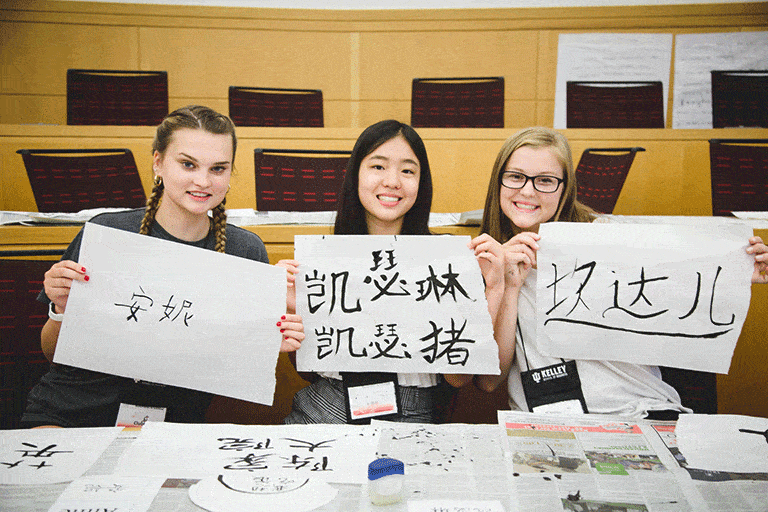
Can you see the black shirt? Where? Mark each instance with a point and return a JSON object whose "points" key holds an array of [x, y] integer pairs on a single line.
{"points": [[75, 397]]}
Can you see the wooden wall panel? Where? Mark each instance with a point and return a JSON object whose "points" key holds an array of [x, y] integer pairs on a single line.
{"points": [[387, 66], [253, 58], [363, 61], [39, 54], [32, 109]]}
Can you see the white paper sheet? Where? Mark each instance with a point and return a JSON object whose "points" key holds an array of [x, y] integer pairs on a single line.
{"points": [[455, 506], [50, 455], [696, 56], [645, 294], [108, 494], [329, 453], [408, 304], [724, 442], [251, 217], [226, 493], [173, 314], [610, 57]]}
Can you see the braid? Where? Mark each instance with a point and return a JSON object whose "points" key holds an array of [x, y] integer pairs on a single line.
{"points": [[220, 226], [152, 203]]}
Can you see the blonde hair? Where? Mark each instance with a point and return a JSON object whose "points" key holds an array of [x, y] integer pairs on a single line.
{"points": [[569, 209], [196, 117]]}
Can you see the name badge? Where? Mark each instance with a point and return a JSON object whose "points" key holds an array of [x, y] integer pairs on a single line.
{"points": [[554, 389], [370, 395], [136, 416]]}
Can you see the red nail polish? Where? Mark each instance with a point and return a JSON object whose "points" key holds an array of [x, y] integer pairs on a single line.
{"points": [[82, 269], [282, 330], [282, 317], [278, 324], [87, 278]]}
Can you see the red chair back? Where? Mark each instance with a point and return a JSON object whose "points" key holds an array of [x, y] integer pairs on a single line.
{"points": [[600, 176], [299, 180], [457, 102]]}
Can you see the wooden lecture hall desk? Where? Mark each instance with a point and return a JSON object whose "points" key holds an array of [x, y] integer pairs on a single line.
{"points": [[522, 462], [278, 239]]}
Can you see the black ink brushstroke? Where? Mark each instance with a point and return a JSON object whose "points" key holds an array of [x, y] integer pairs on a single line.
{"points": [[635, 331], [221, 480]]}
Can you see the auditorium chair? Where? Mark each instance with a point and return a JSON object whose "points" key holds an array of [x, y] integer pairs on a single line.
{"points": [[21, 359], [697, 389], [116, 97], [298, 180], [262, 106], [740, 99], [606, 104], [600, 176], [739, 175], [457, 102], [70, 180]]}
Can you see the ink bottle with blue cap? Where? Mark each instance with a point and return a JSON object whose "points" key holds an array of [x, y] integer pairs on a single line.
{"points": [[385, 481]]}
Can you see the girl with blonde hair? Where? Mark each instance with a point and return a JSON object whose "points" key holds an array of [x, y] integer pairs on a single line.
{"points": [[534, 181]]}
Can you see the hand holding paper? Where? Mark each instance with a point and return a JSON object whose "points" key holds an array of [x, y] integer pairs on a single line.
{"points": [[183, 316]]}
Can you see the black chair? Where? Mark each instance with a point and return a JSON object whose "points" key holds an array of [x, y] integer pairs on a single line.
{"points": [[116, 97], [601, 174], [739, 174], [21, 359], [262, 106], [298, 180], [740, 99], [70, 180], [457, 102], [606, 104], [697, 390]]}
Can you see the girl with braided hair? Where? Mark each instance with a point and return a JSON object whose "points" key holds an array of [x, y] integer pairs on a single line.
{"points": [[193, 155]]}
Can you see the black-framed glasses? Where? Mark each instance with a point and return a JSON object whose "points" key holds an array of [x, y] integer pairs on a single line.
{"points": [[544, 183]]}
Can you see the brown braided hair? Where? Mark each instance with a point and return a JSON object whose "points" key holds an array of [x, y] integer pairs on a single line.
{"points": [[195, 117]]}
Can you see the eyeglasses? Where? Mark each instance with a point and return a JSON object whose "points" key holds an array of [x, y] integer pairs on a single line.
{"points": [[543, 183]]}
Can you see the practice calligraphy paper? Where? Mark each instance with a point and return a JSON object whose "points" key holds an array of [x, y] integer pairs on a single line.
{"points": [[50, 455], [108, 493], [455, 506], [329, 453], [724, 442], [672, 295], [407, 304], [172, 314], [447, 463], [226, 493], [434, 450]]}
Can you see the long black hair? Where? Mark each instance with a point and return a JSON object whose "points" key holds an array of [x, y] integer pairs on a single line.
{"points": [[350, 215]]}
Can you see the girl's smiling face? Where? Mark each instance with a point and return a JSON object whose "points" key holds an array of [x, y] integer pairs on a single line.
{"points": [[527, 208], [195, 168], [388, 184]]}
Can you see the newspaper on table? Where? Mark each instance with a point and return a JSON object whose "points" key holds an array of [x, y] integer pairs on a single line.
{"points": [[595, 462], [590, 463]]}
